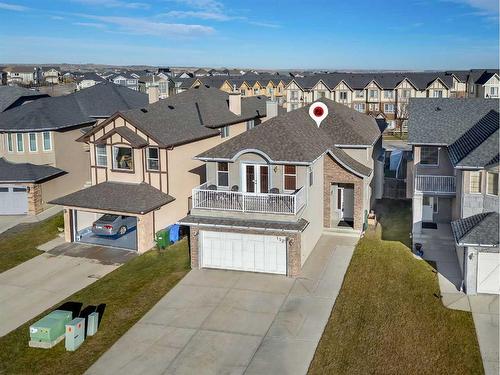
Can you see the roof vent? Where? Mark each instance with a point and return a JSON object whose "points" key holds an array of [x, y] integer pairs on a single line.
{"points": [[207, 86], [144, 110], [171, 106], [438, 108]]}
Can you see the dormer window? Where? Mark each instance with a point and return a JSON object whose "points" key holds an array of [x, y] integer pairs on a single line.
{"points": [[123, 159], [153, 158]]}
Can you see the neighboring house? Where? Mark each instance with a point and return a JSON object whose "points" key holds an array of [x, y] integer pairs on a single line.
{"points": [[484, 84], [43, 133], [51, 74], [272, 191], [166, 86], [142, 165], [127, 80], [200, 73], [24, 74], [14, 96], [455, 178], [3, 77], [87, 80]]}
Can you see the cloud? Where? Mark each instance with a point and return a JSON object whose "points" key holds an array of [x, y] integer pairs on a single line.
{"points": [[90, 24], [486, 8], [147, 27], [215, 16], [14, 7], [264, 24], [207, 5], [57, 18], [114, 4]]}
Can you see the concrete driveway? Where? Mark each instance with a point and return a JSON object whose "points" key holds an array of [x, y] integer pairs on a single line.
{"points": [[41, 282], [225, 322]]}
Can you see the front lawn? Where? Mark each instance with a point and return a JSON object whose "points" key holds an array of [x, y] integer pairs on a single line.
{"points": [[388, 318], [19, 244], [128, 292], [395, 218]]}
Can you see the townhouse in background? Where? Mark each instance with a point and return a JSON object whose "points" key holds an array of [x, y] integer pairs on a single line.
{"points": [[51, 74], [24, 74], [142, 166], [272, 191], [40, 157], [455, 178]]}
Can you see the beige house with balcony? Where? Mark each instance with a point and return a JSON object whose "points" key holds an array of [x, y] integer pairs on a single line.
{"points": [[272, 191], [455, 177], [142, 167]]}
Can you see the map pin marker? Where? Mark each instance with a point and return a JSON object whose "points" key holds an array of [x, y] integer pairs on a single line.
{"points": [[318, 111]]}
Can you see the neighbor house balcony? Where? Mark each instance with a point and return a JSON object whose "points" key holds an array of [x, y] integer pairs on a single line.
{"points": [[435, 184], [208, 197]]}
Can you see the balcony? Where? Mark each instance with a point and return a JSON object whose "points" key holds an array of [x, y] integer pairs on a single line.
{"points": [[435, 184], [206, 197]]}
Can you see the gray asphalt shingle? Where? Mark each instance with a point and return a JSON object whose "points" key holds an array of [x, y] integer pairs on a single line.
{"points": [[477, 230], [26, 172], [10, 96]]}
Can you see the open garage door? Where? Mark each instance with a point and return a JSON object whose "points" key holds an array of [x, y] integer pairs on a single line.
{"points": [[488, 273], [13, 200], [105, 229], [243, 252]]}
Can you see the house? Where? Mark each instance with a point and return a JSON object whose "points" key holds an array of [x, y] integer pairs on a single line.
{"points": [[14, 96], [142, 166], [87, 80], [455, 177], [24, 74], [165, 86], [51, 74], [3, 77], [43, 133], [126, 79], [484, 83], [272, 191], [200, 73]]}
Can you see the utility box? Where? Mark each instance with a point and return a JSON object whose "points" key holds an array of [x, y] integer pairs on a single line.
{"points": [[75, 334], [49, 331], [92, 323], [162, 238]]}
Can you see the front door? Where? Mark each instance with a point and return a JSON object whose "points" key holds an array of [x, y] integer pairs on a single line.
{"points": [[345, 202], [256, 178], [428, 209]]}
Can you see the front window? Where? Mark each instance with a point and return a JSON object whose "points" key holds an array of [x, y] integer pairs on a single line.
{"points": [[222, 174], [256, 91], [373, 94], [389, 108], [32, 142], [360, 93], [438, 93], [224, 133], [343, 95], [123, 158], [475, 182], [388, 94], [101, 155], [153, 158], [429, 156], [243, 92], [360, 107], [492, 183], [47, 141], [250, 124], [10, 143], [406, 93], [20, 142], [373, 107], [294, 95], [290, 176], [493, 91], [321, 94]]}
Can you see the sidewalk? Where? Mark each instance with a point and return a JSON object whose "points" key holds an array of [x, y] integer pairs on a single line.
{"points": [[10, 221]]}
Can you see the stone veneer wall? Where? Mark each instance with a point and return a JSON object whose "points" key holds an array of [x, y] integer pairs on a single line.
{"points": [[293, 249], [335, 173]]}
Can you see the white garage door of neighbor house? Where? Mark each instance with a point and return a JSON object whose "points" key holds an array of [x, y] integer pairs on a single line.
{"points": [[243, 252], [488, 273], [13, 200]]}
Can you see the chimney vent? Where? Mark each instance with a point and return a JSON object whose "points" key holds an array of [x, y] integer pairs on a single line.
{"points": [[235, 103]]}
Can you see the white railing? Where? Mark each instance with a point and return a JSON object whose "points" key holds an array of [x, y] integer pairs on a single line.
{"points": [[224, 200], [435, 184]]}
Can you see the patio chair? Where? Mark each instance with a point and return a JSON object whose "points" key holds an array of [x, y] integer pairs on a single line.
{"points": [[235, 188]]}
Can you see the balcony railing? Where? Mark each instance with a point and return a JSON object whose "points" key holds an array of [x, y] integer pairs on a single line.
{"points": [[435, 184], [224, 200]]}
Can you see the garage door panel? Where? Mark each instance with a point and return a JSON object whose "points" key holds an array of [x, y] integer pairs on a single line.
{"points": [[13, 200], [245, 252], [488, 273]]}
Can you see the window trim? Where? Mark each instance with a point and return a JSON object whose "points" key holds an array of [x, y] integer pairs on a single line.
{"points": [[429, 165], [36, 142], [115, 167], [311, 176], [225, 172], [17, 142], [480, 183], [10, 142], [250, 124], [289, 174], [97, 147], [224, 133], [50, 141], [150, 158], [488, 184], [389, 111]]}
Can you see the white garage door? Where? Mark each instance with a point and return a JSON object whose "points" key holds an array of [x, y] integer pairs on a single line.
{"points": [[488, 273], [243, 252], [13, 200]]}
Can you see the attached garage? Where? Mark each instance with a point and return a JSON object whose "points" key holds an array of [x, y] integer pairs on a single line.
{"points": [[13, 200], [244, 252], [488, 273]]}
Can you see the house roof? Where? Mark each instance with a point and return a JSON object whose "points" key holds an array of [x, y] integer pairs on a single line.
{"points": [[442, 121], [79, 108], [298, 226], [117, 196], [485, 77], [477, 230], [135, 139], [295, 137], [191, 115], [9, 95], [26, 172]]}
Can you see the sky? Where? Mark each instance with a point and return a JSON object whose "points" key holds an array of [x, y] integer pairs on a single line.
{"points": [[261, 34]]}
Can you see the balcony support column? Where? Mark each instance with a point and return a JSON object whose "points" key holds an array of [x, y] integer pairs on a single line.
{"points": [[417, 212]]}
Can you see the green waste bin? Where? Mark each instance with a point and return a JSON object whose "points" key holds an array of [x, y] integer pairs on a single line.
{"points": [[162, 238]]}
